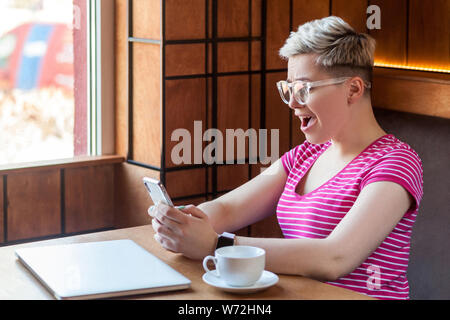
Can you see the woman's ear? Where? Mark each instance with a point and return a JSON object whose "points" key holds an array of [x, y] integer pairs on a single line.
{"points": [[356, 90]]}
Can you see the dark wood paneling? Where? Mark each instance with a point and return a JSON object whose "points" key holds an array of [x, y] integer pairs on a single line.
{"points": [[147, 19], [297, 136], [277, 32], [398, 90], [231, 176], [305, 10], [185, 59], [210, 58], [256, 18], [34, 204], [185, 103], [256, 55], [255, 113], [185, 19], [391, 38], [89, 198], [182, 183], [232, 18], [352, 11], [232, 102], [210, 19], [232, 56], [131, 198], [185, 202], [266, 228], [277, 113], [147, 104], [429, 34], [232, 106]]}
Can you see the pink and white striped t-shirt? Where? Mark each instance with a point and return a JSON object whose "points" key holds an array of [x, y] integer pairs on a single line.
{"points": [[316, 214]]}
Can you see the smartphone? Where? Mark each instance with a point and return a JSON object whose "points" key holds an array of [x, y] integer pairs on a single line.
{"points": [[157, 191]]}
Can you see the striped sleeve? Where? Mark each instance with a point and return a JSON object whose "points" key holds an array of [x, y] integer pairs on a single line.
{"points": [[402, 166], [288, 158]]}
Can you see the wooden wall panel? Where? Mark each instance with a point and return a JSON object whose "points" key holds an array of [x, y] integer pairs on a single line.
{"points": [[147, 104], [185, 19], [232, 102], [397, 90], [232, 56], [392, 37], [256, 55], [131, 199], [34, 204], [89, 198], [232, 105], [352, 11], [256, 18], [297, 135], [277, 32], [194, 201], [185, 103], [277, 112], [305, 10], [185, 59], [429, 34], [255, 113], [2, 234], [267, 228], [182, 183], [232, 18], [147, 19], [231, 176]]}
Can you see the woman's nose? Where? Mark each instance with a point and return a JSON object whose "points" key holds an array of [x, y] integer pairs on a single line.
{"points": [[294, 104]]}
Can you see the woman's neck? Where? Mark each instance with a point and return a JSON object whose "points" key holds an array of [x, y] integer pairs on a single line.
{"points": [[361, 130]]}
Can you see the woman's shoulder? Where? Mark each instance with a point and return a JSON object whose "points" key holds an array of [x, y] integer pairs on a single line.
{"points": [[389, 146]]}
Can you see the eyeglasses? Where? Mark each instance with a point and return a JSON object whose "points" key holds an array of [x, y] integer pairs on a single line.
{"points": [[301, 89]]}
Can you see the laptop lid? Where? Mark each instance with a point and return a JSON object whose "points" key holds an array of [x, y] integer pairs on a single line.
{"points": [[100, 270]]}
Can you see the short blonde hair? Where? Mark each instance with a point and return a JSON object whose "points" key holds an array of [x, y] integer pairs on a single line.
{"points": [[341, 50]]}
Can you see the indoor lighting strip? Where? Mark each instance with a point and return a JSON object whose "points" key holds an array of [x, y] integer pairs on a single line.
{"points": [[398, 66]]}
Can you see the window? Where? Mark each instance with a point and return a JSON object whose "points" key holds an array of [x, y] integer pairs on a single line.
{"points": [[43, 80]]}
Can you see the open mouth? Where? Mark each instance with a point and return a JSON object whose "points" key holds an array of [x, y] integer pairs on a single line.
{"points": [[307, 122]]}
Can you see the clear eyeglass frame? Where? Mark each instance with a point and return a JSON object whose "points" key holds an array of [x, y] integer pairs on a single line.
{"points": [[301, 89]]}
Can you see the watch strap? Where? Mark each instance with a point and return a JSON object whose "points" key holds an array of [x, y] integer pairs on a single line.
{"points": [[225, 239]]}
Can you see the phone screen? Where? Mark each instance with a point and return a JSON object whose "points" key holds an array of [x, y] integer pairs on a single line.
{"points": [[157, 191]]}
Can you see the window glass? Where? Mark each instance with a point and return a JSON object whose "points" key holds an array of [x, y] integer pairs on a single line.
{"points": [[37, 73]]}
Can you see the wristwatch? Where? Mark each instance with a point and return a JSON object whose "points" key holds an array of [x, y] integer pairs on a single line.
{"points": [[225, 239]]}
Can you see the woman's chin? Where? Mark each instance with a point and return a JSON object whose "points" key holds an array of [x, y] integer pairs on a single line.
{"points": [[315, 139]]}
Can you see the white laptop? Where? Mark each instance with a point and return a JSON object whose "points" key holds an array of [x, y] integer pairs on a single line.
{"points": [[100, 270]]}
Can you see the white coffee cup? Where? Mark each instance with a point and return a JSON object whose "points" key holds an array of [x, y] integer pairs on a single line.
{"points": [[238, 266]]}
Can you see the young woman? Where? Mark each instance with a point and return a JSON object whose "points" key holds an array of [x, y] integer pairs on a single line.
{"points": [[346, 199]]}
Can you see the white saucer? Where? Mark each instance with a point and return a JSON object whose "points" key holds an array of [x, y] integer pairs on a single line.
{"points": [[267, 280]]}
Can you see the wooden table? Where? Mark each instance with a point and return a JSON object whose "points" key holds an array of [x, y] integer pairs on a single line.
{"points": [[17, 283]]}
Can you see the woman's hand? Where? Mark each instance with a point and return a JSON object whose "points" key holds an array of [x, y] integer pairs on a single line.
{"points": [[185, 230]]}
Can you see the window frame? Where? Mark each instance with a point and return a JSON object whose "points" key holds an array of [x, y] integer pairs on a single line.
{"points": [[101, 78]]}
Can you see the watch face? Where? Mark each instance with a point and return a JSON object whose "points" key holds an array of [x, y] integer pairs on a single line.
{"points": [[225, 240]]}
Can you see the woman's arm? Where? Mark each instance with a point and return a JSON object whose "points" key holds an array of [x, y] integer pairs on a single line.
{"points": [[195, 234], [378, 208], [249, 203], [375, 213]]}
